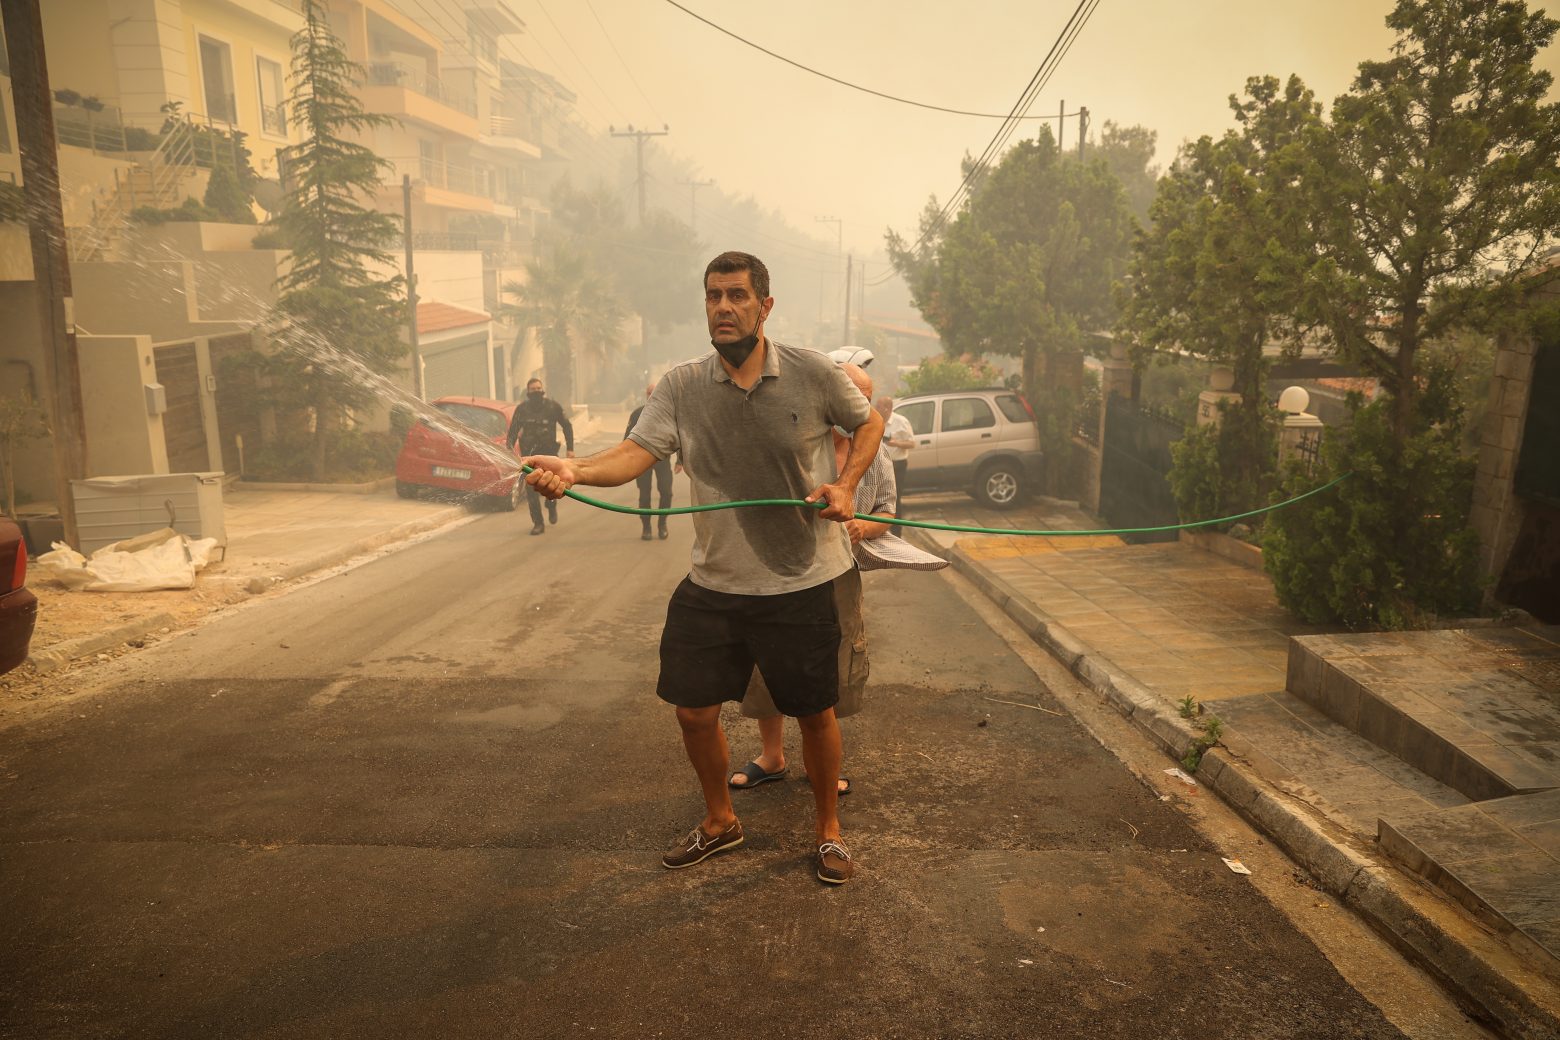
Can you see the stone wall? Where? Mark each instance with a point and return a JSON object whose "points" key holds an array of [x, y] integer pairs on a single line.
{"points": [[1497, 512]]}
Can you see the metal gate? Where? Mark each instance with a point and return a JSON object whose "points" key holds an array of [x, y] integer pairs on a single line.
{"points": [[1135, 469], [184, 427]]}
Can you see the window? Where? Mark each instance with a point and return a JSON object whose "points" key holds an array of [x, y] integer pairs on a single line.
{"points": [[1013, 409], [484, 420], [966, 413], [273, 117], [216, 78], [919, 416], [431, 159]]}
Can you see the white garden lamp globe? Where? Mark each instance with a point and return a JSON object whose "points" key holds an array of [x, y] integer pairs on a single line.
{"points": [[1294, 400]]}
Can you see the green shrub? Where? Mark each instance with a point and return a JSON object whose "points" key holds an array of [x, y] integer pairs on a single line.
{"points": [[1226, 468], [1390, 546], [189, 210], [351, 457], [225, 198], [940, 373]]}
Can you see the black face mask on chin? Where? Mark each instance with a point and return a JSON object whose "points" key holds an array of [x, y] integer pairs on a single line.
{"points": [[738, 352]]}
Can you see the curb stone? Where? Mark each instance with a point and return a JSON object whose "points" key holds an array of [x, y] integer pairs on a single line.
{"points": [[1488, 978], [61, 654], [369, 543]]}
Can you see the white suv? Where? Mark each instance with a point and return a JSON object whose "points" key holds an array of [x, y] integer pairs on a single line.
{"points": [[981, 441]]}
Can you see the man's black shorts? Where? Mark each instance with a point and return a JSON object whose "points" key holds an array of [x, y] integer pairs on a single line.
{"points": [[713, 640]]}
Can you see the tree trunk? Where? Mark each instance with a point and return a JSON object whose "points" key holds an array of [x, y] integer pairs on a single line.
{"points": [[321, 426], [8, 450], [1248, 415], [558, 357]]}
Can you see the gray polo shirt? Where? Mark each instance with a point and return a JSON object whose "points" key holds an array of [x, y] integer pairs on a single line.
{"points": [[768, 442]]}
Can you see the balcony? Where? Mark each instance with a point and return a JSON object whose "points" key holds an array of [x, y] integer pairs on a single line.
{"points": [[395, 74], [404, 92], [442, 242], [510, 134], [452, 185]]}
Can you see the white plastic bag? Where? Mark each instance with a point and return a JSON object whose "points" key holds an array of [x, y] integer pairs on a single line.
{"points": [[162, 560]]}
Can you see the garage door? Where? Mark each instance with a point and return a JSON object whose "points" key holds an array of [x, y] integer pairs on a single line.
{"points": [[460, 370]]}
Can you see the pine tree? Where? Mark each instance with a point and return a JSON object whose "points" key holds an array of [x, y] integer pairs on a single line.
{"points": [[341, 320]]}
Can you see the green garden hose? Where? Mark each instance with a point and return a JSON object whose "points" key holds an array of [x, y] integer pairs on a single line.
{"points": [[928, 525]]}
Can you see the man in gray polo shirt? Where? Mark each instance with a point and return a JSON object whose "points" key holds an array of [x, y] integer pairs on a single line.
{"points": [[752, 420]]}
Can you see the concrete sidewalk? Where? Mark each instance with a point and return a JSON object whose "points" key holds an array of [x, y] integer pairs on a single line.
{"points": [[275, 534], [1149, 625], [273, 537]]}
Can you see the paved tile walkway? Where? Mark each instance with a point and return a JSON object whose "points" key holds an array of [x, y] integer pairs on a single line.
{"points": [[1181, 621]]}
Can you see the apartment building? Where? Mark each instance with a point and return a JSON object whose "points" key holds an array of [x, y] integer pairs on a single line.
{"points": [[135, 81]]}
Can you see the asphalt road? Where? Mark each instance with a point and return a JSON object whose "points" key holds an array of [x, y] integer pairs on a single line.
{"points": [[427, 798]]}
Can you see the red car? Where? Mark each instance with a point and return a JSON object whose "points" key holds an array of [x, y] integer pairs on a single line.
{"points": [[18, 607], [463, 451]]}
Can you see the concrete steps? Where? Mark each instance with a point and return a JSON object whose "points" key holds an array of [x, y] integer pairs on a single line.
{"points": [[1451, 740], [1476, 709], [1500, 859], [1299, 749]]}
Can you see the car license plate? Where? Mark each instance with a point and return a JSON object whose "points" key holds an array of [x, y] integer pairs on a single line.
{"points": [[452, 474]]}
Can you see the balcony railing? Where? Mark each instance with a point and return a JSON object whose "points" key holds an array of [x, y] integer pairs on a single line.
{"points": [[509, 126], [395, 74], [442, 242]]}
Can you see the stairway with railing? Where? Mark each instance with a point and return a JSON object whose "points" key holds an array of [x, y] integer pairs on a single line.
{"points": [[157, 180]]}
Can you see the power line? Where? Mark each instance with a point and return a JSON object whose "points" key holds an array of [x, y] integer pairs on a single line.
{"points": [[1053, 59], [586, 68], [842, 82], [516, 53], [632, 78]]}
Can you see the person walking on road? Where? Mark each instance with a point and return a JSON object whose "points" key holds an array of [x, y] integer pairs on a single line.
{"points": [[752, 420], [898, 439], [535, 427], [661, 473]]}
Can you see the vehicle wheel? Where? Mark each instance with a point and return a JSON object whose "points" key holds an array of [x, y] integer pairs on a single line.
{"points": [[405, 490], [1000, 485], [511, 502]]}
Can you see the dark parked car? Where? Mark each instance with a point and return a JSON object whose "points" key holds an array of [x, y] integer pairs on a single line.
{"points": [[443, 454], [18, 606]]}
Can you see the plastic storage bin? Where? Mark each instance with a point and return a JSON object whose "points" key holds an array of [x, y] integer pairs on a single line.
{"points": [[111, 509]]}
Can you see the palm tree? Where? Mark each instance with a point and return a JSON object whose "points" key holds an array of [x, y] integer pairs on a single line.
{"points": [[567, 302]]}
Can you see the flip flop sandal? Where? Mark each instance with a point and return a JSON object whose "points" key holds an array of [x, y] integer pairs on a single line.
{"points": [[844, 790], [755, 775]]}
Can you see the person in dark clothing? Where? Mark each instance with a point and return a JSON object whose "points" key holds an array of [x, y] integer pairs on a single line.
{"points": [[660, 473], [535, 426]]}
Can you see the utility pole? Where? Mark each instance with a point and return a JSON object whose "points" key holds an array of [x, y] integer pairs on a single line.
{"points": [[51, 263], [849, 278], [411, 288], [840, 226], [639, 142], [693, 201], [1061, 124], [1083, 128]]}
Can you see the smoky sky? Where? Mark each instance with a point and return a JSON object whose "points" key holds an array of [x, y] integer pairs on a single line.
{"points": [[810, 148]]}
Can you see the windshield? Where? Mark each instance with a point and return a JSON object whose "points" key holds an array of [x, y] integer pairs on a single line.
{"points": [[485, 421]]}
